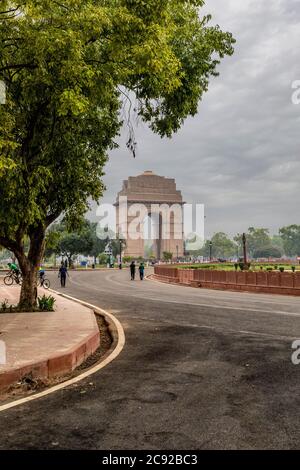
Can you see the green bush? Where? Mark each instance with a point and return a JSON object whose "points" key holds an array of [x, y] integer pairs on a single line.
{"points": [[281, 269], [244, 266], [46, 303], [102, 258], [5, 307], [293, 268]]}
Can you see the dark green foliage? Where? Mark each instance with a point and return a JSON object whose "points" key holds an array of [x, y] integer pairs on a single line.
{"points": [[46, 303]]}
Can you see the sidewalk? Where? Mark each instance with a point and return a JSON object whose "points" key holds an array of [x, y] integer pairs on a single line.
{"points": [[45, 344]]}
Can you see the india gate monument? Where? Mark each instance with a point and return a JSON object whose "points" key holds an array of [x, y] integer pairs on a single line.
{"points": [[149, 214]]}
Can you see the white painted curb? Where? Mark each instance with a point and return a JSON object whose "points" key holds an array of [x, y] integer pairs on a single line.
{"points": [[113, 355]]}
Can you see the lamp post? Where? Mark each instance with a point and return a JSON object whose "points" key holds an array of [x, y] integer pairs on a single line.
{"points": [[245, 249], [210, 251], [120, 264]]}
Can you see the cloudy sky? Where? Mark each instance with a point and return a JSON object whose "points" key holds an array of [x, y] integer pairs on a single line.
{"points": [[240, 155]]}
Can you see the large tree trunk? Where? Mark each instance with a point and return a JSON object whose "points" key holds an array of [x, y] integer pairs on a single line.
{"points": [[28, 297], [29, 266]]}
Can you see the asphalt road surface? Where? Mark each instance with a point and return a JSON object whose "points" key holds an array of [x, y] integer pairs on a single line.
{"points": [[200, 370]]}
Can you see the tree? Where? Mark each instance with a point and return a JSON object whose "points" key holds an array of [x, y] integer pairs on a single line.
{"points": [[277, 242], [75, 243], [222, 246], [167, 256], [257, 238], [291, 239], [97, 245], [53, 237], [267, 252], [67, 66]]}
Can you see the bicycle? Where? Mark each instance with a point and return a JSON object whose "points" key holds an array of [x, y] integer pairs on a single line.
{"points": [[43, 282], [12, 278]]}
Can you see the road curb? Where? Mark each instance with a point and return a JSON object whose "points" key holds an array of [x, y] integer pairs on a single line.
{"points": [[118, 336]]}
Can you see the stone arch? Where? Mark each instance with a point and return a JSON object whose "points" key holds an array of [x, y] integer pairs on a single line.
{"points": [[157, 197]]}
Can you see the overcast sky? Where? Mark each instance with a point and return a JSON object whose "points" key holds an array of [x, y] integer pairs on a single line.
{"points": [[240, 155]]}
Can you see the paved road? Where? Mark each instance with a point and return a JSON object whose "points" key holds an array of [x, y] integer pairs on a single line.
{"points": [[200, 370]]}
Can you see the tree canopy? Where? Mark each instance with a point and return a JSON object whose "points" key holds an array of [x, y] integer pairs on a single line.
{"points": [[257, 239], [221, 247], [291, 239], [267, 252]]}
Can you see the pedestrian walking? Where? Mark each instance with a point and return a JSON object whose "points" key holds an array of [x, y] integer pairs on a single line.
{"points": [[63, 273], [142, 271], [132, 270]]}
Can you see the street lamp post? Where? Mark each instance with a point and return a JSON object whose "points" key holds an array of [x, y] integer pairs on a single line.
{"points": [[245, 249], [210, 251], [120, 266]]}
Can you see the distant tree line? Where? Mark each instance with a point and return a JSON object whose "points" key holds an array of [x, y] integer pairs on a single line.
{"points": [[260, 244], [60, 241], [84, 241]]}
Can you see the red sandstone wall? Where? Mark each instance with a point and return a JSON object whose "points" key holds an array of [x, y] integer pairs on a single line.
{"points": [[267, 282]]}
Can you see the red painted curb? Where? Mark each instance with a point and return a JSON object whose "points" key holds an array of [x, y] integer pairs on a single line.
{"points": [[55, 366]]}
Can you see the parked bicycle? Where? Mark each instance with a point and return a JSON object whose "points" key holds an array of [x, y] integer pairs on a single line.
{"points": [[12, 278]]}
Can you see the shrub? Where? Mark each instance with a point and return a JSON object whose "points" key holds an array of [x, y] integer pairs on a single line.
{"points": [[281, 269], [46, 303], [293, 268], [5, 307], [244, 266], [267, 252], [102, 258]]}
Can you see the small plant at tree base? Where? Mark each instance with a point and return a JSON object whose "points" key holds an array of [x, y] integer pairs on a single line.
{"points": [[293, 268], [4, 306], [281, 269], [46, 303], [245, 266]]}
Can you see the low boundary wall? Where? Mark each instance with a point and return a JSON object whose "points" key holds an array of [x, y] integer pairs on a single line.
{"points": [[260, 281]]}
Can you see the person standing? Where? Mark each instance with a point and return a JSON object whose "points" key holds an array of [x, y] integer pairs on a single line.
{"points": [[142, 271], [63, 272], [132, 270]]}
